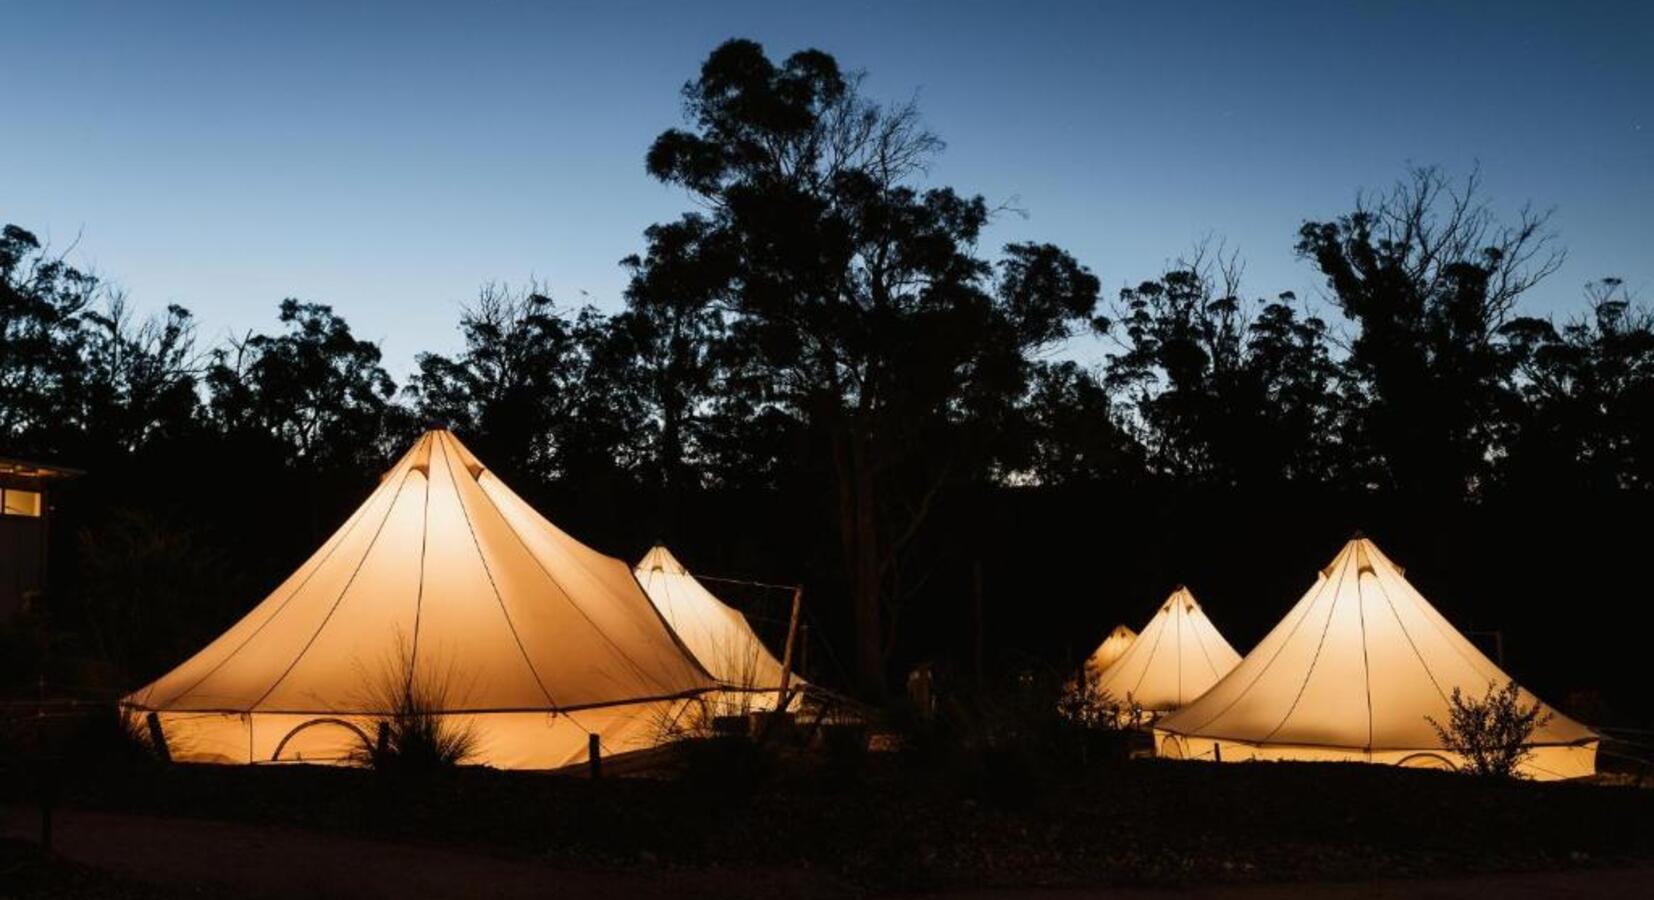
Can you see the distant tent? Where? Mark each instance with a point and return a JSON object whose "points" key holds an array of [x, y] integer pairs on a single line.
{"points": [[719, 636], [1178, 655], [1350, 674], [444, 577], [1112, 648]]}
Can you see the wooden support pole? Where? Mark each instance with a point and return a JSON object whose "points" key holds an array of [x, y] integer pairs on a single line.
{"points": [[1217, 752], [803, 666], [782, 698], [157, 737], [594, 755]]}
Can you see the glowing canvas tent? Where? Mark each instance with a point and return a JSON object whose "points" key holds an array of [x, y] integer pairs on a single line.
{"points": [[1176, 657], [1350, 674], [1112, 648], [443, 575], [719, 636]]}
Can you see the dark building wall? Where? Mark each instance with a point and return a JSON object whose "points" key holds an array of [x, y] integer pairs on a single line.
{"points": [[22, 549], [22, 557]]}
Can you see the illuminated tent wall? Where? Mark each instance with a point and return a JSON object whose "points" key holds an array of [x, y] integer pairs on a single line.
{"points": [[446, 577], [719, 636], [1350, 674], [1178, 655], [1111, 649]]}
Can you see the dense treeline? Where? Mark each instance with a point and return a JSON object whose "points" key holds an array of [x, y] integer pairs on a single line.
{"points": [[820, 374]]}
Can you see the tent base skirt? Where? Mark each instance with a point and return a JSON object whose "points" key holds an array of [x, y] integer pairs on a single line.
{"points": [[514, 740], [1547, 763]]}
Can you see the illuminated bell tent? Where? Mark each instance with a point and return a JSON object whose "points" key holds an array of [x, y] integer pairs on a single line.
{"points": [[1177, 656], [1111, 649], [719, 636], [445, 578], [1350, 675]]}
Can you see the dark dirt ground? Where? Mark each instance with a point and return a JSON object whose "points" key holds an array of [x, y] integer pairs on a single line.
{"points": [[113, 855], [1140, 828]]}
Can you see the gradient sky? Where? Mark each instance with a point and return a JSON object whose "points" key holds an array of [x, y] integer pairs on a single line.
{"points": [[387, 159]]}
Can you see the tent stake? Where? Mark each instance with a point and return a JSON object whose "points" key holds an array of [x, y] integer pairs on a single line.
{"points": [[158, 737], [48, 802], [976, 621], [782, 700], [1217, 752], [594, 755]]}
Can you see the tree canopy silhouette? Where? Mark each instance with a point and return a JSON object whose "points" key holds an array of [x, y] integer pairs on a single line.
{"points": [[883, 332], [819, 374]]}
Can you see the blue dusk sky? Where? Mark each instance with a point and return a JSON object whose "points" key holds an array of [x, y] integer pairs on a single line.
{"points": [[387, 159]]}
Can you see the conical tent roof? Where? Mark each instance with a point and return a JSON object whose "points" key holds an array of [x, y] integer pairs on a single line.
{"points": [[445, 576], [1111, 649], [1351, 673], [1177, 656], [719, 636]]}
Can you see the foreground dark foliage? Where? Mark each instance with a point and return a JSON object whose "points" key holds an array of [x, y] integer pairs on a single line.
{"points": [[898, 825], [27, 871]]}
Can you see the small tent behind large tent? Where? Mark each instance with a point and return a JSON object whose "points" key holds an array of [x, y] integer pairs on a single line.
{"points": [[1111, 649], [1354, 672], [719, 636], [1175, 658], [446, 579]]}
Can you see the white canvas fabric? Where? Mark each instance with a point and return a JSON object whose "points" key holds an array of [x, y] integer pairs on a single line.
{"points": [[719, 636], [1351, 673], [446, 575], [1177, 656], [1111, 649]]}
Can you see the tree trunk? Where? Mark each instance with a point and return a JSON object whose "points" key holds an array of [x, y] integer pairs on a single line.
{"points": [[858, 533]]}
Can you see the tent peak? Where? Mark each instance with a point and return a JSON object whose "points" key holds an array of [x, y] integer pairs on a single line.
{"points": [[446, 559], [1176, 656], [1354, 671], [660, 559]]}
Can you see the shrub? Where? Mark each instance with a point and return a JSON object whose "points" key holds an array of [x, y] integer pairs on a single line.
{"points": [[1493, 734], [78, 735], [409, 728], [1086, 705]]}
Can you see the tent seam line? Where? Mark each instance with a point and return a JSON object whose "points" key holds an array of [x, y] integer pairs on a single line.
{"points": [[1287, 639], [419, 595], [494, 586], [1315, 660], [366, 552], [348, 528], [569, 598], [1366, 664]]}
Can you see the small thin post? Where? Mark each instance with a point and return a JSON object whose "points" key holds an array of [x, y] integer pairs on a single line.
{"points": [[594, 755], [1217, 752], [977, 621], [48, 803], [158, 737], [782, 699]]}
